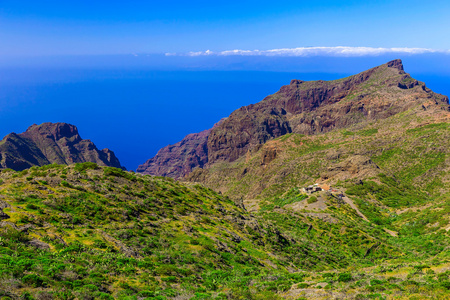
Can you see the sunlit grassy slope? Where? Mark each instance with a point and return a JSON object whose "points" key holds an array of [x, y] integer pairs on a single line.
{"points": [[85, 232]]}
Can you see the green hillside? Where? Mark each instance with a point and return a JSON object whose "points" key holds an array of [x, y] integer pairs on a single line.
{"points": [[89, 232]]}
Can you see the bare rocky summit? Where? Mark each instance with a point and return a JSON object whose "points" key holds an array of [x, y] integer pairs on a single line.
{"points": [[303, 107], [50, 143]]}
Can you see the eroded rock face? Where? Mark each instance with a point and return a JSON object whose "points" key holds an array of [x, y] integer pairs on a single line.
{"points": [[244, 129], [301, 107], [179, 159], [50, 143], [356, 166]]}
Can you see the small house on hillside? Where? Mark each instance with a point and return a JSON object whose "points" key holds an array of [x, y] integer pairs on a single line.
{"points": [[324, 187], [316, 188], [312, 189]]}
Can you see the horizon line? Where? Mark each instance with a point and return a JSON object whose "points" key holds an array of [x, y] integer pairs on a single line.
{"points": [[337, 51]]}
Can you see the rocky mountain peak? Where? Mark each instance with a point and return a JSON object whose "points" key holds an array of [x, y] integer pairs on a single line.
{"points": [[396, 63], [49, 143], [55, 131]]}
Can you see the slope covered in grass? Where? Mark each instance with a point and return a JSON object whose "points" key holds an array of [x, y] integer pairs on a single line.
{"points": [[74, 231], [85, 232]]}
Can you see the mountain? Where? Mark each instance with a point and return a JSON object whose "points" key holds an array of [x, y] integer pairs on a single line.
{"points": [[180, 159], [51, 143], [301, 107]]}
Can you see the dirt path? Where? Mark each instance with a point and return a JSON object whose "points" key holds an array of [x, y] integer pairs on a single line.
{"points": [[352, 205], [391, 232], [414, 209]]}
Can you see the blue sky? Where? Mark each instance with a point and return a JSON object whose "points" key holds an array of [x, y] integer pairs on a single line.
{"points": [[34, 28]]}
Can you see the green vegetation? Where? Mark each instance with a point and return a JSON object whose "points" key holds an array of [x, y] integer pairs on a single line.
{"points": [[105, 233], [291, 196], [312, 199]]}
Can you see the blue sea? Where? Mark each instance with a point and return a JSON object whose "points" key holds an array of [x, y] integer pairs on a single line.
{"points": [[136, 111]]}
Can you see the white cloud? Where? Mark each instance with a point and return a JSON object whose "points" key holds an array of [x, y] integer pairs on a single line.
{"points": [[317, 51]]}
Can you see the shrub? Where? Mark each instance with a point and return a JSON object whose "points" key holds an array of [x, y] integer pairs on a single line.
{"points": [[32, 206], [345, 277], [101, 295], [144, 294], [445, 284], [111, 171], [82, 167], [169, 279], [375, 282], [33, 280], [66, 184], [26, 296], [312, 199]]}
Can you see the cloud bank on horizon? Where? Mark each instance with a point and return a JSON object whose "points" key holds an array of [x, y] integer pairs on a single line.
{"points": [[339, 51]]}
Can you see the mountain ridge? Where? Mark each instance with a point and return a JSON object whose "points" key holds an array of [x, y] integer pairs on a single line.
{"points": [[304, 107]]}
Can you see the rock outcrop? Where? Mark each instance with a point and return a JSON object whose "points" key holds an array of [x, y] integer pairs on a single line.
{"points": [[301, 107], [50, 143], [179, 159]]}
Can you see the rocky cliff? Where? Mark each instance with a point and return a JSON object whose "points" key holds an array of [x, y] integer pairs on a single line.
{"points": [[179, 159], [50, 143], [301, 107]]}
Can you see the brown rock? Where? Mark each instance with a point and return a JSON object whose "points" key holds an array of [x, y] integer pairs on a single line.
{"points": [[355, 166], [50, 143], [39, 244], [179, 159]]}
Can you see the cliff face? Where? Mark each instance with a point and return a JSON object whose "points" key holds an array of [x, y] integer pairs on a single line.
{"points": [[179, 159], [50, 143], [306, 108]]}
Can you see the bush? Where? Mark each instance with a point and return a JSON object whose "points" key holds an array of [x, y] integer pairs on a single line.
{"points": [[375, 282], [445, 284], [111, 171], [26, 296], [345, 277], [66, 184], [199, 296], [312, 199], [101, 295], [169, 279], [82, 167], [33, 280], [145, 294], [31, 206], [14, 235]]}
